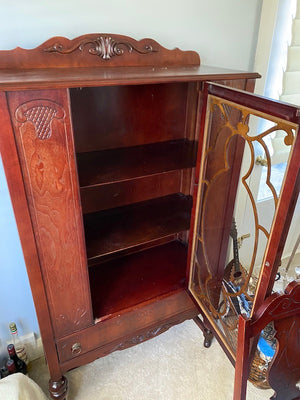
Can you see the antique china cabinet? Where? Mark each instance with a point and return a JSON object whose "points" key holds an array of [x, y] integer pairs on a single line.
{"points": [[130, 170]]}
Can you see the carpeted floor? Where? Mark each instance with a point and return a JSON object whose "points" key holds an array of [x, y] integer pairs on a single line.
{"points": [[172, 366]]}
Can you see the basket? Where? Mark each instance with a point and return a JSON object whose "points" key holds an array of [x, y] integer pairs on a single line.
{"points": [[259, 366], [258, 372]]}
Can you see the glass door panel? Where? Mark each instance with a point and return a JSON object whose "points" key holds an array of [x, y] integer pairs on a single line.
{"points": [[240, 181]]}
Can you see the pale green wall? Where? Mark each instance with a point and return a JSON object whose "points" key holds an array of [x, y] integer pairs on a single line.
{"points": [[223, 32]]}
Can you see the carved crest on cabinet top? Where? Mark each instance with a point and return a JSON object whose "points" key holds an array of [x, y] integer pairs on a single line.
{"points": [[109, 50], [41, 114], [102, 46]]}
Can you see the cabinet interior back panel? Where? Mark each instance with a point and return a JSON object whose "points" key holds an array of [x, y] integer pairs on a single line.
{"points": [[124, 116]]}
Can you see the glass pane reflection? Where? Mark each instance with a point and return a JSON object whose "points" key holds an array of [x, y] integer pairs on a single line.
{"points": [[243, 163]]}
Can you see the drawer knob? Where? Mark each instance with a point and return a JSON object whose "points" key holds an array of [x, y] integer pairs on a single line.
{"points": [[76, 348]]}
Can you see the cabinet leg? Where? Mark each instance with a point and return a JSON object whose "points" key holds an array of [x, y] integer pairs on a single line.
{"points": [[208, 335], [58, 389]]}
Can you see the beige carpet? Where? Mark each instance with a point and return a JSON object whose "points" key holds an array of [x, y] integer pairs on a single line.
{"points": [[172, 366]]}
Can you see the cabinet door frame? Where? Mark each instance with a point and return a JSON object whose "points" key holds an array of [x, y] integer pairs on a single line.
{"points": [[286, 202]]}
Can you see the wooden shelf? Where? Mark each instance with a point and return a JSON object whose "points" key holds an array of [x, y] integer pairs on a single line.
{"points": [[124, 227], [125, 282], [98, 167]]}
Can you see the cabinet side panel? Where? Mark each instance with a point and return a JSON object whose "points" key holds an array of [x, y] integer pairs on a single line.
{"points": [[14, 178], [41, 121]]}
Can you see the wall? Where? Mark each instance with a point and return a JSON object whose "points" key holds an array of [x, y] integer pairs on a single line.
{"points": [[223, 32], [16, 301]]}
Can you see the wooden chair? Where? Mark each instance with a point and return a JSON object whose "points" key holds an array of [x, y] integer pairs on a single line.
{"points": [[284, 371]]}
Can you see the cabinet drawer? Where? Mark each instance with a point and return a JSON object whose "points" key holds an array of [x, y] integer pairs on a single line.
{"points": [[127, 328]]}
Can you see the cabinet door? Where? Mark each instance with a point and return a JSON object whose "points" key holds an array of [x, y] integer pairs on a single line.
{"points": [[42, 127], [236, 244]]}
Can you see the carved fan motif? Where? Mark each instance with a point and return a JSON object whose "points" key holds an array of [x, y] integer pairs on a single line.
{"points": [[40, 113]]}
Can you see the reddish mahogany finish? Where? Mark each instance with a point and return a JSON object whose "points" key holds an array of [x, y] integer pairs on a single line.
{"points": [[45, 147], [134, 190], [123, 283], [101, 143], [284, 373], [94, 50], [215, 211], [95, 168], [119, 228], [125, 329], [13, 173], [127, 116]]}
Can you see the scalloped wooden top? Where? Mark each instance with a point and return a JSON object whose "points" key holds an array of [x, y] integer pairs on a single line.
{"points": [[96, 50], [91, 60]]}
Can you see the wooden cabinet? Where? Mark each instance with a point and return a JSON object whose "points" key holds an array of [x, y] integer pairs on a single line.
{"points": [[105, 145]]}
